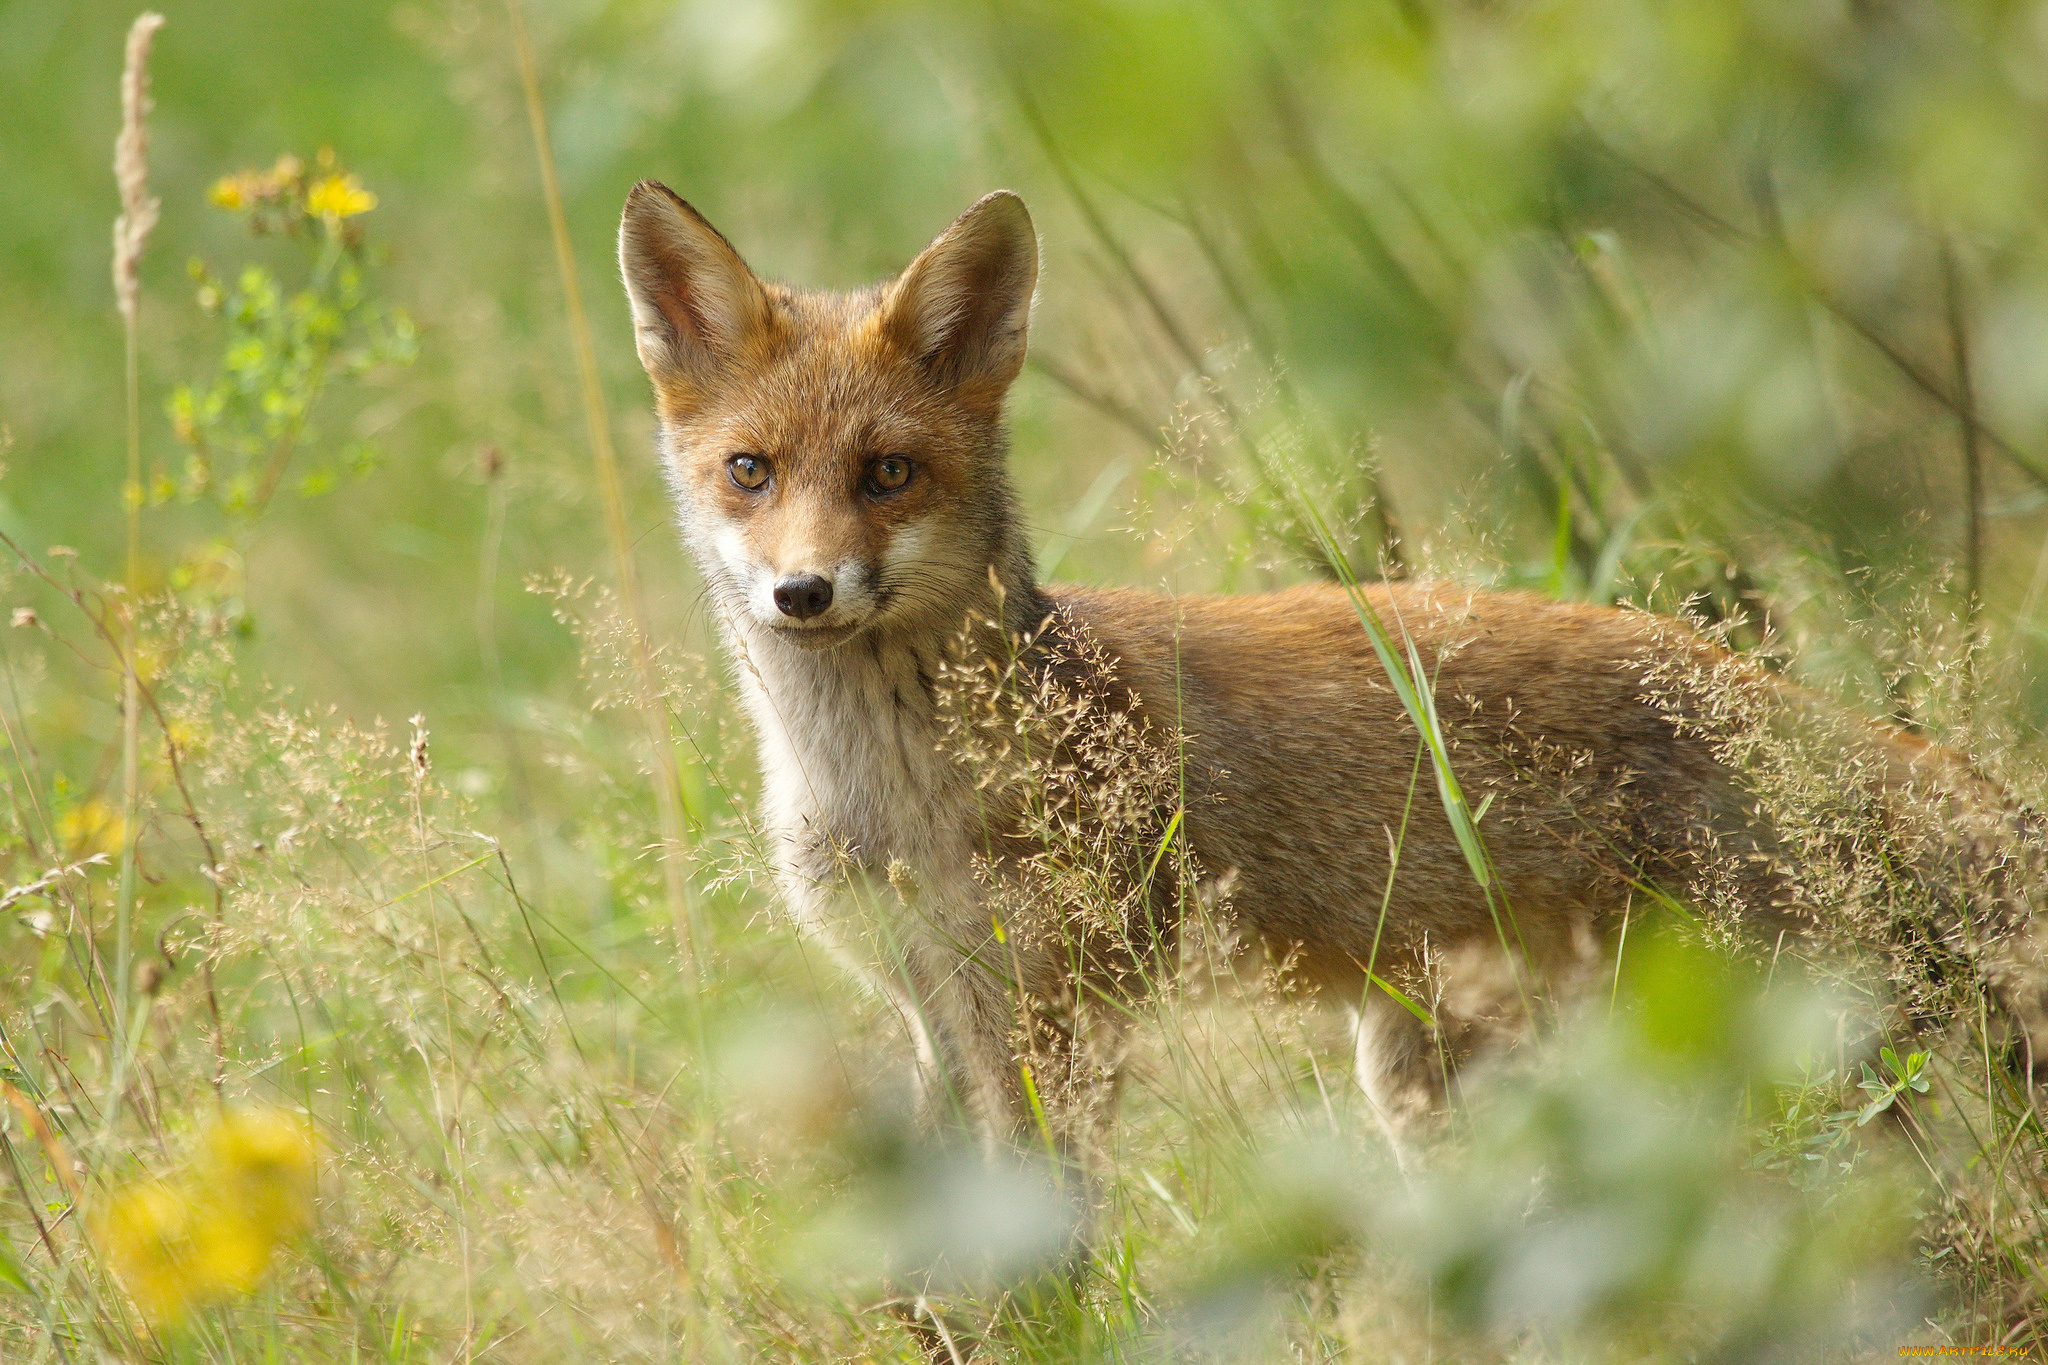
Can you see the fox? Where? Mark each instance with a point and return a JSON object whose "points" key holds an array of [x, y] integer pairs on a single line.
{"points": [[839, 468]]}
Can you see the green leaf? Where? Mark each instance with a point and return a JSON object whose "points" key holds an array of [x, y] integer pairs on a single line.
{"points": [[10, 1271], [1402, 1000]]}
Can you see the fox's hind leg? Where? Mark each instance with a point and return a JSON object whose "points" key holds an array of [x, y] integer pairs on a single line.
{"points": [[1398, 1067]]}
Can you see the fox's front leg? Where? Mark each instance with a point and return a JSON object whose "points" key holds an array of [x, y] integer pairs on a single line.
{"points": [[1027, 1057], [956, 1004], [1015, 1063], [1007, 1051], [965, 1016]]}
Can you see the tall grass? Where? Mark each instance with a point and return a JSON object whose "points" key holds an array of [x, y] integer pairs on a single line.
{"points": [[310, 1050]]}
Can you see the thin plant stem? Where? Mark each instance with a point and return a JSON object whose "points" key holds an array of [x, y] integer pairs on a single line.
{"points": [[131, 230], [605, 460], [1972, 439], [131, 701]]}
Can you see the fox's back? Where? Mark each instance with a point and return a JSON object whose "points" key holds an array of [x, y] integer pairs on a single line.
{"points": [[1303, 767]]}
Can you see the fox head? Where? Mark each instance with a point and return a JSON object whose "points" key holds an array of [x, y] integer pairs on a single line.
{"points": [[837, 459]]}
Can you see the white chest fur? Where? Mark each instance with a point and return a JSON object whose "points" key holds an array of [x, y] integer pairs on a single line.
{"points": [[853, 774]]}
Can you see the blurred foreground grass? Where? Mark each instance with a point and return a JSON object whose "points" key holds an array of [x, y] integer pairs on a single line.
{"points": [[1735, 308]]}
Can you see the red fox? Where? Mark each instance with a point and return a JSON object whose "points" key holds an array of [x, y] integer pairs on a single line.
{"points": [[838, 467]]}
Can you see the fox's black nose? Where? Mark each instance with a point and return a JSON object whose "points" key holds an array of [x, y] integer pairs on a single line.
{"points": [[803, 595]]}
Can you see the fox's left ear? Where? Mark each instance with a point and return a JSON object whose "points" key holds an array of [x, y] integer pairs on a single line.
{"points": [[962, 307]]}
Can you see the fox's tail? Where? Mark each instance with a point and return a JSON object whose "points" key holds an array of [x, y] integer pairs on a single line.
{"points": [[1955, 885]]}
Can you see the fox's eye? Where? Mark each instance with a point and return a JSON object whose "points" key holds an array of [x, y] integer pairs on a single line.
{"points": [[748, 471], [888, 474]]}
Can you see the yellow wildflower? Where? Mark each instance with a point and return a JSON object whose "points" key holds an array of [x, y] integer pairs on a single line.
{"points": [[262, 1162], [227, 192], [210, 1234], [144, 1233], [92, 826], [339, 196], [184, 736]]}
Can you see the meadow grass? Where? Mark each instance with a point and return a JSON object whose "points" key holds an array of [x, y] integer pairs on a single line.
{"points": [[309, 1051]]}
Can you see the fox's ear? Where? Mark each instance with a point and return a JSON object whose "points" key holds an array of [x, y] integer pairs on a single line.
{"points": [[695, 303], [962, 307]]}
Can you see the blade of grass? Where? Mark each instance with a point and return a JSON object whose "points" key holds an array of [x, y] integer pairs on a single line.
{"points": [[1401, 999], [1410, 681]]}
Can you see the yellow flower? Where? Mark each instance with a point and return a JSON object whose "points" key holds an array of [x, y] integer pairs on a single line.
{"points": [[186, 737], [227, 192], [339, 196], [210, 1234], [144, 1232], [92, 826], [263, 1162]]}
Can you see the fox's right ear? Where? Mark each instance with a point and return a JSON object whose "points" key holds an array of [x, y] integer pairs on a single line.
{"points": [[696, 306]]}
